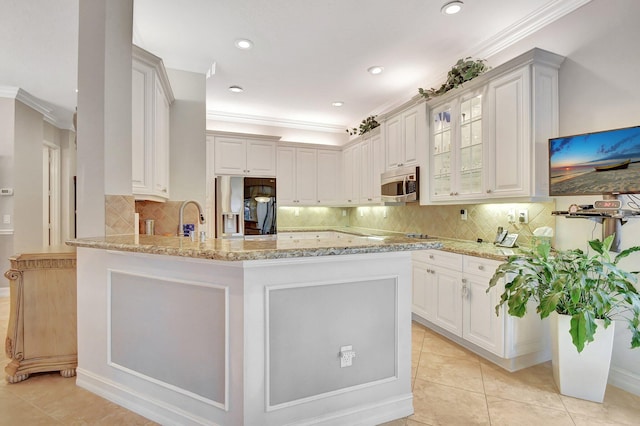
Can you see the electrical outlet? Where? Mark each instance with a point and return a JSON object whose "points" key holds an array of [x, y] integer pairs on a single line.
{"points": [[463, 214], [511, 216], [6, 219], [346, 355], [523, 216], [344, 213], [296, 212]]}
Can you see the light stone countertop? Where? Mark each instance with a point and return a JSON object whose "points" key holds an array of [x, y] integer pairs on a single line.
{"points": [[253, 249], [352, 241]]}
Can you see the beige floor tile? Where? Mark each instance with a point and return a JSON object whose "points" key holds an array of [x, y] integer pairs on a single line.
{"points": [[15, 411], [505, 412], [436, 344], [619, 407], [458, 372], [440, 405], [532, 385]]}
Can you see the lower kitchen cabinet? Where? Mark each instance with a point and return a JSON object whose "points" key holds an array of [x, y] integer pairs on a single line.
{"points": [[449, 296]]}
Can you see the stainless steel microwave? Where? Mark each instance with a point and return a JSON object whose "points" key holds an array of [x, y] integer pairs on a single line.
{"points": [[400, 185]]}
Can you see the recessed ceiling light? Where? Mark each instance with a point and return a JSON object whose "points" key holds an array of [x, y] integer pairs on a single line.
{"points": [[375, 70], [337, 103], [236, 89], [452, 8], [243, 43]]}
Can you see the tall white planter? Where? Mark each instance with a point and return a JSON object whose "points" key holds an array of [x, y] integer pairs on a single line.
{"points": [[581, 375]]}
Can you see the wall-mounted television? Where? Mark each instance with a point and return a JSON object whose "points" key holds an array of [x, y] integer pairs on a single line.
{"points": [[597, 163]]}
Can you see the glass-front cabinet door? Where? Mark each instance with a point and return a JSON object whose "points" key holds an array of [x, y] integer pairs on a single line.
{"points": [[441, 153], [470, 164], [457, 149]]}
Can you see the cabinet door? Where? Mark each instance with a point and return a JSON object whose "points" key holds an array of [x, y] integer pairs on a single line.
{"points": [[481, 324], [161, 146], [306, 176], [329, 176], [508, 100], [230, 156], [410, 135], [261, 158], [366, 179], [448, 296], [348, 179], [140, 132], [393, 134], [286, 176], [423, 291], [442, 156], [470, 148], [377, 165]]}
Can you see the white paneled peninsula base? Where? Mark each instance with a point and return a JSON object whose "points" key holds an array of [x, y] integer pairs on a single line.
{"points": [[183, 340]]}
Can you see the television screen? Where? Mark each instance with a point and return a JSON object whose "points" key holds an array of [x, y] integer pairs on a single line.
{"points": [[596, 163]]}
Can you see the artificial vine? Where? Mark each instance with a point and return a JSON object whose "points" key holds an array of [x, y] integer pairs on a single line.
{"points": [[464, 70], [366, 125]]}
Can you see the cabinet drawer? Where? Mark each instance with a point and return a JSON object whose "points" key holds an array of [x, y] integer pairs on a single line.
{"points": [[439, 258], [479, 266]]}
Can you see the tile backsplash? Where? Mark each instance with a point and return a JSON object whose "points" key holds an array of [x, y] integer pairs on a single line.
{"points": [[119, 217], [165, 216], [441, 221]]}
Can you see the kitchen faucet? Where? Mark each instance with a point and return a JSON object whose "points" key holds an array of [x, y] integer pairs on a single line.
{"points": [[181, 215]]}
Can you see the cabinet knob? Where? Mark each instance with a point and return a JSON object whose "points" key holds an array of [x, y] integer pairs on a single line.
{"points": [[481, 267], [464, 280], [488, 191], [451, 193], [430, 256]]}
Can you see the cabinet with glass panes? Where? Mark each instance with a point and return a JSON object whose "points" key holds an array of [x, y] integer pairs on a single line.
{"points": [[456, 148]]}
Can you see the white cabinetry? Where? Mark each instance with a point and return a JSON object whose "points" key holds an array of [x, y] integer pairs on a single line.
{"points": [[449, 293], [457, 148], [308, 176], [236, 155], [363, 163], [405, 131], [489, 138], [151, 99]]}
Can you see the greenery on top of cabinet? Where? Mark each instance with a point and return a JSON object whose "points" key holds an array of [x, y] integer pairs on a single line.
{"points": [[366, 125], [464, 70]]}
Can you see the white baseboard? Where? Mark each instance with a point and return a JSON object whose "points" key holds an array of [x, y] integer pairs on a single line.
{"points": [[625, 380], [4, 291], [157, 411]]}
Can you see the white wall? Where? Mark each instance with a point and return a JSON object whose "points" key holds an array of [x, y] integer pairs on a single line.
{"points": [[599, 90], [188, 144], [7, 118], [28, 192]]}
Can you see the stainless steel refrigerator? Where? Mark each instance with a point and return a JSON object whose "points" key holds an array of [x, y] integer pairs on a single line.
{"points": [[245, 207]]}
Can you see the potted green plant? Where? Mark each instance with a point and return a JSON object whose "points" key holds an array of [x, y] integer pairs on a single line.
{"points": [[582, 293], [464, 70]]}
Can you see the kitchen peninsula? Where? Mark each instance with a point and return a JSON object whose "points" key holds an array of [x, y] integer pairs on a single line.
{"points": [[244, 332]]}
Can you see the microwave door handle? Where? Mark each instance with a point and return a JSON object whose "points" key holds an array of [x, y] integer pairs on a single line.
{"points": [[405, 185]]}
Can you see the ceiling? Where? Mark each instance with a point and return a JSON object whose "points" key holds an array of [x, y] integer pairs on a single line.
{"points": [[306, 54]]}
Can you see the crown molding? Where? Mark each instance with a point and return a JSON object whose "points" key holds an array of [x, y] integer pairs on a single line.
{"points": [[58, 117], [528, 25], [271, 121]]}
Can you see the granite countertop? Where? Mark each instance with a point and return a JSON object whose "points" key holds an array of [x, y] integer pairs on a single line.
{"points": [[350, 241], [255, 249]]}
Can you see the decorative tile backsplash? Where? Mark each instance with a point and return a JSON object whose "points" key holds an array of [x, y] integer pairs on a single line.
{"points": [[441, 221], [165, 216], [119, 214]]}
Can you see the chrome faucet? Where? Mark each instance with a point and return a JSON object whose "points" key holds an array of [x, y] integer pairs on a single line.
{"points": [[181, 215]]}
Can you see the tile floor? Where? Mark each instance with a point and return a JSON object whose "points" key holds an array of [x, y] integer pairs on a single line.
{"points": [[451, 386]]}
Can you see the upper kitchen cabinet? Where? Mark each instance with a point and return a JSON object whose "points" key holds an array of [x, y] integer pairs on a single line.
{"points": [[405, 131], [244, 155], [363, 163], [489, 138], [308, 176], [151, 99], [457, 148]]}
